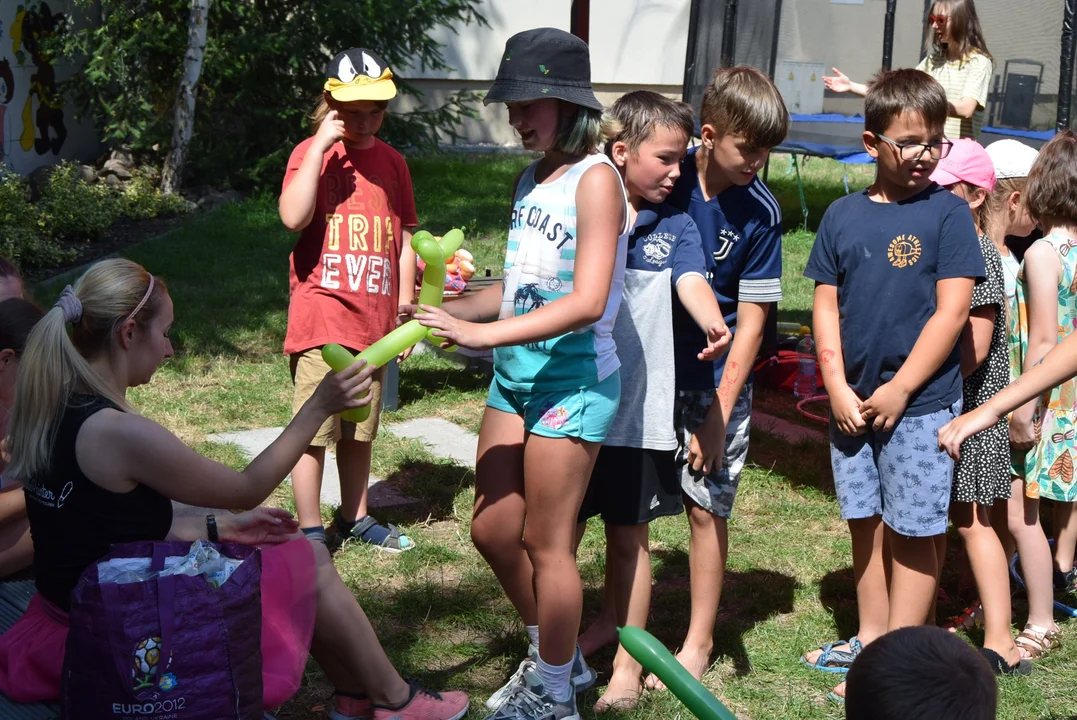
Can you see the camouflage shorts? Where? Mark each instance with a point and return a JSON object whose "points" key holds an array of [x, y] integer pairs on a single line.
{"points": [[715, 491]]}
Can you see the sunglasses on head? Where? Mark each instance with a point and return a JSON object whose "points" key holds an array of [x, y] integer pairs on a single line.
{"points": [[936, 19]]}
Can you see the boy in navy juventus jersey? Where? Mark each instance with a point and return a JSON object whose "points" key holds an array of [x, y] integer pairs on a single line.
{"points": [[742, 117]]}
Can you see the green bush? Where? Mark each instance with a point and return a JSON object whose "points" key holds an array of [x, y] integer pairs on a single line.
{"points": [[22, 239], [71, 211], [141, 199]]}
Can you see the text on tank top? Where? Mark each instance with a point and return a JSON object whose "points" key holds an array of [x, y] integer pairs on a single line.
{"points": [[540, 264]]}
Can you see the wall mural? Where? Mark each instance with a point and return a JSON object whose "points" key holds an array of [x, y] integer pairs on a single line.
{"points": [[31, 107]]}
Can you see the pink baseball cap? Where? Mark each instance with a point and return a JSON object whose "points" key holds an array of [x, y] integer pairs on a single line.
{"points": [[967, 162]]}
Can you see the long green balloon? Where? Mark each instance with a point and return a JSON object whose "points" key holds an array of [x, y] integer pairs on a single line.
{"points": [[410, 333], [653, 656]]}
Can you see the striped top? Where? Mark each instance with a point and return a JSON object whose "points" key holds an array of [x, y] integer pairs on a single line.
{"points": [[540, 263], [970, 77]]}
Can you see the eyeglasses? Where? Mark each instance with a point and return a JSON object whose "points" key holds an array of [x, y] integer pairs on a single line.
{"points": [[936, 19], [914, 151]]}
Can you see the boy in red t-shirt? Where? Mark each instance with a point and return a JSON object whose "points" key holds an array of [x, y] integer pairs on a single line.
{"points": [[349, 196]]}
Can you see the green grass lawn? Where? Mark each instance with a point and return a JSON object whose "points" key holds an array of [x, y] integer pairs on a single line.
{"points": [[438, 609]]}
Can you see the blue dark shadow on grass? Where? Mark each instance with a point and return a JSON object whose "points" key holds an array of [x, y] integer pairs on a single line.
{"points": [[434, 485], [749, 598], [417, 384], [805, 464]]}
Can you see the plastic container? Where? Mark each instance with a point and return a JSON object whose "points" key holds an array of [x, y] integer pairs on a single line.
{"points": [[806, 384]]}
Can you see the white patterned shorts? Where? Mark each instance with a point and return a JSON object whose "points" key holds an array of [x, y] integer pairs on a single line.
{"points": [[715, 491]]}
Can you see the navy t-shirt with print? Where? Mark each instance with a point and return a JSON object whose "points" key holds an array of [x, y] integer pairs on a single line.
{"points": [[885, 259], [741, 232]]}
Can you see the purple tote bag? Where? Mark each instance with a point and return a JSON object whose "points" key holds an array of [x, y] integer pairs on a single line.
{"points": [[169, 648]]}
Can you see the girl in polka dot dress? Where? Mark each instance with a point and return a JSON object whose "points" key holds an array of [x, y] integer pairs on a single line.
{"points": [[982, 474]]}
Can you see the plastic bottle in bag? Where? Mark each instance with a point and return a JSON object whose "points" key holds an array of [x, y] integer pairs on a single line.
{"points": [[806, 384]]}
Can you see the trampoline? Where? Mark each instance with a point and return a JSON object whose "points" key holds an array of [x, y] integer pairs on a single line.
{"points": [[760, 34], [1031, 92], [838, 136]]}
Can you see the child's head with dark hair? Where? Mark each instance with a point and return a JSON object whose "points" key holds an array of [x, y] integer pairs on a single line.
{"points": [[10, 280], [638, 114], [17, 318], [893, 93], [920, 672], [1051, 191], [904, 117], [651, 134], [742, 116]]}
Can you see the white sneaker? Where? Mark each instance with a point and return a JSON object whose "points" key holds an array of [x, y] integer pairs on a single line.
{"points": [[583, 677], [515, 681], [530, 701]]}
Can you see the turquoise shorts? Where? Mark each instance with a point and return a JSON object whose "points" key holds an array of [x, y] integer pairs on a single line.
{"points": [[586, 413]]}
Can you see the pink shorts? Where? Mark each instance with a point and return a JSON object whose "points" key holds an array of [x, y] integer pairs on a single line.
{"points": [[32, 651]]}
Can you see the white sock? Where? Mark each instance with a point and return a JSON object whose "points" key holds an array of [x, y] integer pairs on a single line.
{"points": [[533, 635], [556, 679]]}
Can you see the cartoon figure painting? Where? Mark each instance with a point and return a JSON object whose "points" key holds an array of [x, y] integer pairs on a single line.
{"points": [[43, 130], [7, 91]]}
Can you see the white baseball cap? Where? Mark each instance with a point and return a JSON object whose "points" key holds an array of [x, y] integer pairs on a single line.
{"points": [[1012, 159]]}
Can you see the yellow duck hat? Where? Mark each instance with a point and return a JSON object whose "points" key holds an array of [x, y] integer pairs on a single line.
{"points": [[359, 74]]}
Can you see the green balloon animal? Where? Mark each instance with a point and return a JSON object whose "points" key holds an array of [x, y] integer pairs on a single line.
{"points": [[654, 657], [410, 333]]}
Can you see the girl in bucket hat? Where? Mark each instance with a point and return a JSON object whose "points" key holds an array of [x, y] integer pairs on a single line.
{"points": [[981, 485], [556, 384]]}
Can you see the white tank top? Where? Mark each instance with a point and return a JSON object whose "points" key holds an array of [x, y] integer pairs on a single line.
{"points": [[540, 266]]}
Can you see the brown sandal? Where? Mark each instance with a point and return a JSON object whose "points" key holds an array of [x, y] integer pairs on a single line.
{"points": [[1037, 641]]}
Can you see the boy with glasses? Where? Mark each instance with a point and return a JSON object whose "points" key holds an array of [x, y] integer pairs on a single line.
{"points": [[894, 268]]}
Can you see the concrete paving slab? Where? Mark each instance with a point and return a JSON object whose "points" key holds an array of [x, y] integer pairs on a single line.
{"points": [[253, 442], [442, 438]]}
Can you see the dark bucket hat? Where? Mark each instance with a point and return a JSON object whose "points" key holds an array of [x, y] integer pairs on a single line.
{"points": [[544, 63]]}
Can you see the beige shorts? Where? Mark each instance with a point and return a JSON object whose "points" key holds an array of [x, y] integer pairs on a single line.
{"points": [[308, 370]]}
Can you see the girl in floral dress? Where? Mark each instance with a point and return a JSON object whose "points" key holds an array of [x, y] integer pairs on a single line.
{"points": [[1042, 431]]}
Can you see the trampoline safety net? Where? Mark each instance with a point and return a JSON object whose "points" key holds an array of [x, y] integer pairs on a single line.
{"points": [[1024, 39]]}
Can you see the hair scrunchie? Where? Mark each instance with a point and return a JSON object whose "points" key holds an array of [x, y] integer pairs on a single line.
{"points": [[70, 304]]}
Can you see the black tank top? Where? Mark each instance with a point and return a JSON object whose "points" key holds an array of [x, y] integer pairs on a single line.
{"points": [[73, 522]]}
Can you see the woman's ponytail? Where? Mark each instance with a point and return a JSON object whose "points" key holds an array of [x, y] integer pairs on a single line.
{"points": [[56, 363]]}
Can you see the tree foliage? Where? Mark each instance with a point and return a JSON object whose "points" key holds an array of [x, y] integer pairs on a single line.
{"points": [[264, 68]]}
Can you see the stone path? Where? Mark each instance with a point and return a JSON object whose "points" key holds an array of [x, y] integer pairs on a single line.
{"points": [[448, 440], [443, 439]]}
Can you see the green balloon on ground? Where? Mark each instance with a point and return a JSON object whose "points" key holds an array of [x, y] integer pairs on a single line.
{"points": [[655, 658], [410, 333]]}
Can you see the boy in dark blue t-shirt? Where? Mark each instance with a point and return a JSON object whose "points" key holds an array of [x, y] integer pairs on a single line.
{"points": [[740, 225], [894, 267]]}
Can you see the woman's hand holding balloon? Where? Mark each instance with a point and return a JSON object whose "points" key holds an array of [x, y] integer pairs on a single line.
{"points": [[345, 390]]}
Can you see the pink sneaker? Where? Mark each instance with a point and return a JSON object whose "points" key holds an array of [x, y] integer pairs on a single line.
{"points": [[351, 707], [426, 705]]}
